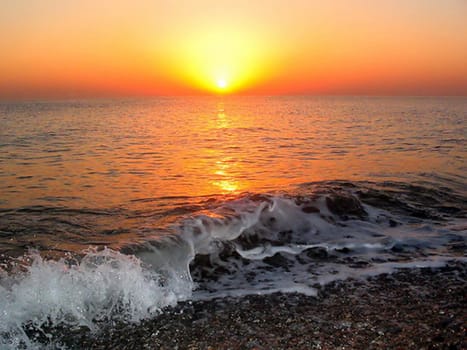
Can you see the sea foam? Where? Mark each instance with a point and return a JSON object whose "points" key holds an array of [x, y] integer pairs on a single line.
{"points": [[102, 286], [249, 245]]}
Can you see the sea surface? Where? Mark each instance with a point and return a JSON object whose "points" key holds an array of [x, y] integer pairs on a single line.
{"points": [[111, 210]]}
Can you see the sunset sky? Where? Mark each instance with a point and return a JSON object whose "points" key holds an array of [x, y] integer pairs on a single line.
{"points": [[87, 48]]}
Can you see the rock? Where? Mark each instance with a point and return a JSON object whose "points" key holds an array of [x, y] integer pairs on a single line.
{"points": [[345, 206], [316, 253], [309, 209], [278, 260]]}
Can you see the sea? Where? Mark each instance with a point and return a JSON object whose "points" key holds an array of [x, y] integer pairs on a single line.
{"points": [[112, 210]]}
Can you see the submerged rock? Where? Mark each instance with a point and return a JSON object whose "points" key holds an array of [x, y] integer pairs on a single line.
{"points": [[278, 260], [309, 209], [345, 206]]}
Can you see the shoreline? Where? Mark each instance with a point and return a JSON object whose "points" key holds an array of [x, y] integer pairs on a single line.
{"points": [[420, 308]]}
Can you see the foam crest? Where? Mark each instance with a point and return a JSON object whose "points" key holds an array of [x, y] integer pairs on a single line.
{"points": [[102, 286], [293, 244], [224, 224], [255, 244]]}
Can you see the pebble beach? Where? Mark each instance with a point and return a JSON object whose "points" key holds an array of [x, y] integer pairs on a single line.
{"points": [[410, 309]]}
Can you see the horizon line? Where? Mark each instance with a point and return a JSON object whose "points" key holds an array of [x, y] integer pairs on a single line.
{"points": [[233, 95]]}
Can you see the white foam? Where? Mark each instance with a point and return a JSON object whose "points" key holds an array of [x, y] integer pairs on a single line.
{"points": [[202, 231], [366, 243], [110, 285], [265, 251], [103, 285], [302, 282]]}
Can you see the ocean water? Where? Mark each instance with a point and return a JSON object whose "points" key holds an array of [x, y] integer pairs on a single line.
{"points": [[113, 209]]}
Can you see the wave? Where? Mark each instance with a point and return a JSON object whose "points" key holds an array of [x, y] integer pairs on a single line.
{"points": [[101, 286], [252, 244]]}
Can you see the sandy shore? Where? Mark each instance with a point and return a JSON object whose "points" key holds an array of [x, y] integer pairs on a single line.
{"points": [[411, 309]]}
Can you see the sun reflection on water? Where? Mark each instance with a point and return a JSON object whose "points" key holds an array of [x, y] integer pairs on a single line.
{"points": [[225, 179], [224, 167]]}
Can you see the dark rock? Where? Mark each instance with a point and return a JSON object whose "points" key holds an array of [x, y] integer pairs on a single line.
{"points": [[397, 248], [344, 250], [309, 209], [345, 206], [251, 240], [359, 264], [317, 253], [278, 260]]}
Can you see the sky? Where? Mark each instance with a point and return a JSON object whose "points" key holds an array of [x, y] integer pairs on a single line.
{"points": [[84, 48]]}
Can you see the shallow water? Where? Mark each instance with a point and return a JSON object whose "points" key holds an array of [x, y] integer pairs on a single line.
{"points": [[117, 208]]}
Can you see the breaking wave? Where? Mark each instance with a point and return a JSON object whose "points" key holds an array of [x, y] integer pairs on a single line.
{"points": [[252, 244]]}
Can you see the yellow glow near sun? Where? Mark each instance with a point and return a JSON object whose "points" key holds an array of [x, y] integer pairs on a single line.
{"points": [[222, 62]]}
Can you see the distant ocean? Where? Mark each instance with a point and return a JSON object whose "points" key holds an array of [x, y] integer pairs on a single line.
{"points": [[114, 209]]}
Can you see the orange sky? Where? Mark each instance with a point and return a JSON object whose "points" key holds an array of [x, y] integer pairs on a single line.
{"points": [[84, 48]]}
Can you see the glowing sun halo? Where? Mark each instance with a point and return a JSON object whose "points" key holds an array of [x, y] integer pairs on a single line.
{"points": [[221, 84]]}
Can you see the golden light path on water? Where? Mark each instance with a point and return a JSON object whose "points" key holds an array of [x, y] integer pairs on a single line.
{"points": [[223, 174], [106, 153], [166, 153]]}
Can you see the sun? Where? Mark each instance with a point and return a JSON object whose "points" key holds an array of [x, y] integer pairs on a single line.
{"points": [[222, 84]]}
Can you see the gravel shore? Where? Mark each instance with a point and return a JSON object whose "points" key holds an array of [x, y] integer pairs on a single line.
{"points": [[411, 309]]}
